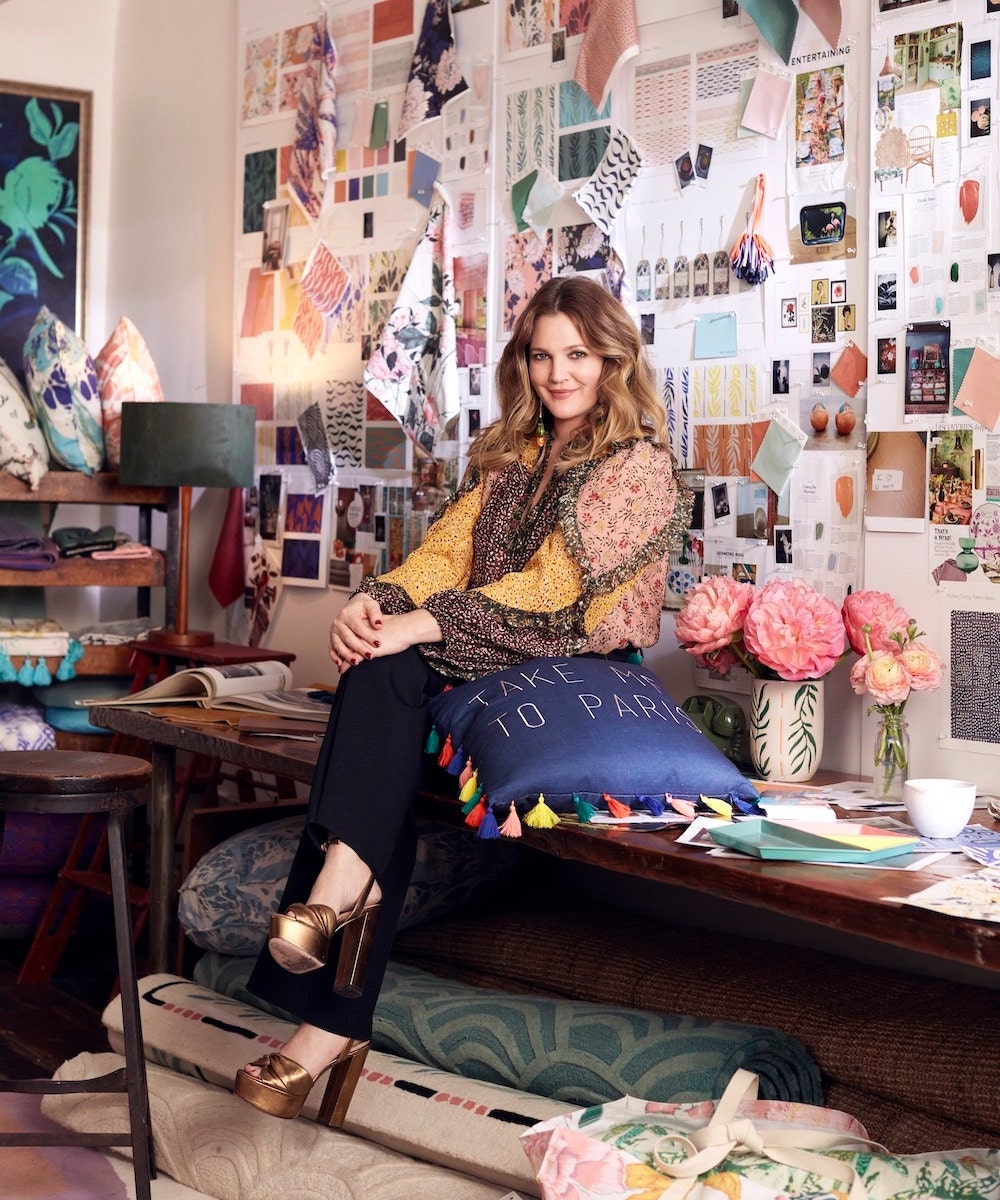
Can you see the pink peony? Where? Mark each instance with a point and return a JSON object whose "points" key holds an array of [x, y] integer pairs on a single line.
{"points": [[793, 630], [712, 616], [885, 678], [922, 666], [880, 611]]}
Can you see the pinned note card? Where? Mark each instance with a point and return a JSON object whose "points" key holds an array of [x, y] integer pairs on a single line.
{"points": [[715, 335]]}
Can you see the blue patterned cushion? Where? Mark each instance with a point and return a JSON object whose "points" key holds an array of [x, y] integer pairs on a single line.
{"points": [[62, 383], [23, 727], [226, 901], [581, 727], [569, 1050]]}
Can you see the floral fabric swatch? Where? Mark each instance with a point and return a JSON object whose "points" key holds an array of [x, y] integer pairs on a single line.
{"points": [[435, 74], [612, 38], [315, 125], [413, 370], [603, 195]]}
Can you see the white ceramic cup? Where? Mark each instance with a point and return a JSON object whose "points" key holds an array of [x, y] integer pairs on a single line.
{"points": [[939, 808]]}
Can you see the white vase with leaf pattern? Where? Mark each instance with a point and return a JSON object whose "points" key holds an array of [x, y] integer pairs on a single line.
{"points": [[786, 729]]}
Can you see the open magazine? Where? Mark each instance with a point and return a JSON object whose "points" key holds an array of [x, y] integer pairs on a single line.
{"points": [[254, 687]]}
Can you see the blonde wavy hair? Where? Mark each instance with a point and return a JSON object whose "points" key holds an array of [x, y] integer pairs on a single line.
{"points": [[628, 403]]}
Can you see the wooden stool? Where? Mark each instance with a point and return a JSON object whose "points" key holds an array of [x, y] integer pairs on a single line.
{"points": [[67, 781]]}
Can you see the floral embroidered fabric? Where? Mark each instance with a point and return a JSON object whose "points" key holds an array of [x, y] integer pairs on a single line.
{"points": [[435, 73], [581, 572]]}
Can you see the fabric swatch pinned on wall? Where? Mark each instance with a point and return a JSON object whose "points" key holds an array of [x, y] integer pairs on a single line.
{"points": [[979, 395], [766, 110], [611, 38], [435, 73], [777, 21], [827, 16], [603, 195], [850, 370], [312, 157], [542, 198], [779, 451]]}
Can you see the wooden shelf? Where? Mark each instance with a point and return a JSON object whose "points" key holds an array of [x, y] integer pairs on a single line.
{"points": [[85, 572], [73, 487], [96, 660]]}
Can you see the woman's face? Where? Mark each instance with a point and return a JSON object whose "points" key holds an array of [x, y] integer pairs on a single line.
{"points": [[564, 372]]}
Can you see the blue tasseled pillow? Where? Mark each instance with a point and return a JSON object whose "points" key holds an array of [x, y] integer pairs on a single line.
{"points": [[584, 731]]}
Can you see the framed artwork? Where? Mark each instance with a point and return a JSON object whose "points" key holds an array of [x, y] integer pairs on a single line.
{"points": [[44, 180]]}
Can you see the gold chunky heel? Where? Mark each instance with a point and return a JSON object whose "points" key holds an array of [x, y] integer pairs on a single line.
{"points": [[300, 938], [282, 1087]]}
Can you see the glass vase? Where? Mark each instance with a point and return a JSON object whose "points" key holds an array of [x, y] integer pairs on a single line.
{"points": [[892, 756]]}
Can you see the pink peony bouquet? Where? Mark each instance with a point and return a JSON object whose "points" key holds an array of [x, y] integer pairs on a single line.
{"points": [[784, 630], [893, 660]]}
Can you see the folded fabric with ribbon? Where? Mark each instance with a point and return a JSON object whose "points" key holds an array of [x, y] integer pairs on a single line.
{"points": [[746, 1148]]}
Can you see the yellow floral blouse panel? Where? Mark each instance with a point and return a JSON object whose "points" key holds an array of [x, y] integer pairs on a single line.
{"points": [[580, 571]]}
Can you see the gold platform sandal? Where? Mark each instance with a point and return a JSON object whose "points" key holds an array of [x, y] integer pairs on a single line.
{"points": [[300, 939], [282, 1087]]}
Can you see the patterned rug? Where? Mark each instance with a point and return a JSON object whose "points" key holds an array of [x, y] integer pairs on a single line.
{"points": [[51, 1173]]}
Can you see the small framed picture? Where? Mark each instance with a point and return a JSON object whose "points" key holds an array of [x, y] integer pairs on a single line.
{"points": [[789, 313], [824, 323], [820, 291], [845, 318], [838, 291]]}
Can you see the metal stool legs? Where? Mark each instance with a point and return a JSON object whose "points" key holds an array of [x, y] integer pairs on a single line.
{"points": [[66, 781]]}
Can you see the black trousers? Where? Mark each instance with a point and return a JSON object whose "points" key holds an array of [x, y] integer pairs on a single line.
{"points": [[367, 776]]}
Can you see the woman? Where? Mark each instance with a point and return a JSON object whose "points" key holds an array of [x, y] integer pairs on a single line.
{"points": [[556, 544]]}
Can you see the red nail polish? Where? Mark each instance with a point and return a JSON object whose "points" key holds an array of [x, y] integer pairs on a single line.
{"points": [[376, 645], [367, 654]]}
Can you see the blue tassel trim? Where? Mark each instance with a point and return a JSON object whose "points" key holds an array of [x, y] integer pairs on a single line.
{"points": [[457, 764], [652, 804], [488, 826]]}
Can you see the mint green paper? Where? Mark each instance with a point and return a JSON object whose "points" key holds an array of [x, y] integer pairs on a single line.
{"points": [[961, 356], [715, 335]]}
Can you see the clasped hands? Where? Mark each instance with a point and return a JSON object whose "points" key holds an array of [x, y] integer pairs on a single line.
{"points": [[361, 630]]}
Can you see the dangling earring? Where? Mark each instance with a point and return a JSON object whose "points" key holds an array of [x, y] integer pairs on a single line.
{"points": [[540, 427]]}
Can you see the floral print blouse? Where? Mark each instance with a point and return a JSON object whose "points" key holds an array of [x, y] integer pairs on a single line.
{"points": [[581, 572]]}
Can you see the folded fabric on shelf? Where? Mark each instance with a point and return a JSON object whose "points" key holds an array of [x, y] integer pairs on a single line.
{"points": [[22, 549], [126, 549], [75, 541]]}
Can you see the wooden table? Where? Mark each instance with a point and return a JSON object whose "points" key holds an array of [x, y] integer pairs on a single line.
{"points": [[851, 900]]}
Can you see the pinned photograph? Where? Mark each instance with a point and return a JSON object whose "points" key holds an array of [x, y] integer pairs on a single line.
{"points": [[846, 318], [779, 377], [885, 292], [789, 313], [886, 356], [821, 368], [979, 117], [703, 162], [886, 236], [685, 169], [275, 236], [720, 501], [824, 323]]}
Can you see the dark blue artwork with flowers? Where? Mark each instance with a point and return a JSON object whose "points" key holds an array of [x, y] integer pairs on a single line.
{"points": [[44, 134]]}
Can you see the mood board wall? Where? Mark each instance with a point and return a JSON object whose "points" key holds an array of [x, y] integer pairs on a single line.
{"points": [[864, 354]]}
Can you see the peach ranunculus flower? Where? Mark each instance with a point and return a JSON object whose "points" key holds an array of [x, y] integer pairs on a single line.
{"points": [[885, 678], [712, 620], [922, 666], [888, 622], [793, 630]]}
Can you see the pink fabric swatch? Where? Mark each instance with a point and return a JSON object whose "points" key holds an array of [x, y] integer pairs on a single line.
{"points": [[325, 280], [979, 395], [611, 39], [767, 105], [827, 16]]}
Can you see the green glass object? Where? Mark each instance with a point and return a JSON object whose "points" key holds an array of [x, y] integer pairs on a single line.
{"points": [[967, 560]]}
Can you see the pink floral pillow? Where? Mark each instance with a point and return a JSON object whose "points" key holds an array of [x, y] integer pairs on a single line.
{"points": [[24, 453], [125, 373]]}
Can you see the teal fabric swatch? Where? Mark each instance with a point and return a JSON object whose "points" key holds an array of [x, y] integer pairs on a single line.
{"points": [[777, 21]]}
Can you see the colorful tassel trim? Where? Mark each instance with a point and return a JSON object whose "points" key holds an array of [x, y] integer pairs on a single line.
{"points": [[511, 828], [616, 808], [541, 816], [433, 743], [635, 657], [488, 826], [469, 787], [584, 812], [467, 770], [7, 672], [720, 807], [472, 801], [653, 805], [26, 675], [67, 668], [685, 807], [746, 807], [477, 815], [447, 753], [457, 762]]}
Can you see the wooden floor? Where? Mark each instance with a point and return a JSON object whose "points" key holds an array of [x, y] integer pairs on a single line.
{"points": [[43, 1024]]}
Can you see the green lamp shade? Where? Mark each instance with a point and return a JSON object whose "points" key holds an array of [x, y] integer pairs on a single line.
{"points": [[187, 445]]}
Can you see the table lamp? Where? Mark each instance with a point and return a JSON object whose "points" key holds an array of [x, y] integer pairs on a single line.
{"points": [[186, 446]]}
